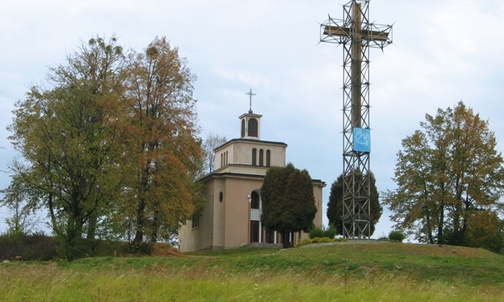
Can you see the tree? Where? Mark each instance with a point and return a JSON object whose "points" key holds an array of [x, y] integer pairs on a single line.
{"points": [[448, 176], [211, 142], [67, 142], [19, 223], [162, 152], [335, 205], [485, 229], [111, 145], [288, 201]]}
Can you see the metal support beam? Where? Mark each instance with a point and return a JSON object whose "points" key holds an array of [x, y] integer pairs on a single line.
{"points": [[357, 35]]}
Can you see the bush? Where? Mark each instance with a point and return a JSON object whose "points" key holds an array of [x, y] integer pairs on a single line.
{"points": [[396, 236], [319, 240], [35, 247], [316, 232], [144, 248], [322, 240], [330, 232], [304, 242]]}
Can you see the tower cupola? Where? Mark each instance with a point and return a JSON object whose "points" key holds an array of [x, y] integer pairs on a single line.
{"points": [[250, 122]]}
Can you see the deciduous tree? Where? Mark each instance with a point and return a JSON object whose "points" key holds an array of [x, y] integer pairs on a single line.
{"points": [[163, 153], [65, 136], [448, 176], [209, 144], [111, 146]]}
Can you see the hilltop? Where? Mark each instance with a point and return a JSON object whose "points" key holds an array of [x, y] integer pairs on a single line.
{"points": [[349, 271]]}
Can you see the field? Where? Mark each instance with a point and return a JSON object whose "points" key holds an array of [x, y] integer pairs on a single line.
{"points": [[373, 271]]}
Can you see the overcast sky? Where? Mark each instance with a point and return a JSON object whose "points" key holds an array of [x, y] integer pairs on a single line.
{"points": [[443, 52]]}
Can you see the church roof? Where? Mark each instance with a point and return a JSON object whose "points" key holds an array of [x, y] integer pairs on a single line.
{"points": [[261, 142]]}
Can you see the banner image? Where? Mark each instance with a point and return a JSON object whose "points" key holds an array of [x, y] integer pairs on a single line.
{"points": [[362, 140]]}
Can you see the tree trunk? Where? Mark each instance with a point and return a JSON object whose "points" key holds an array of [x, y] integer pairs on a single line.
{"points": [[140, 221], [91, 230], [72, 237], [429, 227], [440, 239], [286, 239]]}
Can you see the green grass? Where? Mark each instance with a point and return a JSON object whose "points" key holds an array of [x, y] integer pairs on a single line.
{"points": [[343, 272]]}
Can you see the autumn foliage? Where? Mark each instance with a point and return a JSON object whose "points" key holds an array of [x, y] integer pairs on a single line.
{"points": [[110, 145], [449, 179]]}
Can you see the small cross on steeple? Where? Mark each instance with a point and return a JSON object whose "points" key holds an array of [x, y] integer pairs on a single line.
{"points": [[250, 94]]}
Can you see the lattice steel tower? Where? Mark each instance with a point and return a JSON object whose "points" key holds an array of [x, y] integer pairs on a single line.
{"points": [[357, 35]]}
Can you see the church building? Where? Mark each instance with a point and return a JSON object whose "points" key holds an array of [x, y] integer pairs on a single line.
{"points": [[232, 214]]}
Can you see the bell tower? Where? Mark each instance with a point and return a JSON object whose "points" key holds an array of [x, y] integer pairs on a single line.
{"points": [[250, 122], [250, 125]]}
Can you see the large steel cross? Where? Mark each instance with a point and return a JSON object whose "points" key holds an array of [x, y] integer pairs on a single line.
{"points": [[356, 34]]}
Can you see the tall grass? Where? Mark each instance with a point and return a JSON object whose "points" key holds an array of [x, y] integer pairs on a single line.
{"points": [[389, 272]]}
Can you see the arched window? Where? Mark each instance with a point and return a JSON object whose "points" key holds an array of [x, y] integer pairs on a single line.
{"points": [[252, 127], [243, 128], [261, 157], [254, 202], [254, 157], [268, 158], [222, 160], [226, 158]]}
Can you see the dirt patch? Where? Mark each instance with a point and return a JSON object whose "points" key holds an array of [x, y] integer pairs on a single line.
{"points": [[165, 250]]}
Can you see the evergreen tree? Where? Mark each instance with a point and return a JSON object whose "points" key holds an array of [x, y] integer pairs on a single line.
{"points": [[288, 201], [335, 205]]}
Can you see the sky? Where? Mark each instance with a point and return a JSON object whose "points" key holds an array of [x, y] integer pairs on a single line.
{"points": [[443, 52]]}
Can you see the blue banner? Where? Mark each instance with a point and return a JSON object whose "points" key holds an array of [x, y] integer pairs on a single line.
{"points": [[362, 140]]}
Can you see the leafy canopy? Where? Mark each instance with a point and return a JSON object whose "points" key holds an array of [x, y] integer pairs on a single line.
{"points": [[449, 179], [110, 148]]}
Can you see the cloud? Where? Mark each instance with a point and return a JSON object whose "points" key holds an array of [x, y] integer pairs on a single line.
{"points": [[443, 52]]}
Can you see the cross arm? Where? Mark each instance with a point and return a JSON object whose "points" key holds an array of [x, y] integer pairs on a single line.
{"points": [[372, 35]]}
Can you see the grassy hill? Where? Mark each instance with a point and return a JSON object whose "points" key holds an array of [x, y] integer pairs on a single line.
{"points": [[353, 271]]}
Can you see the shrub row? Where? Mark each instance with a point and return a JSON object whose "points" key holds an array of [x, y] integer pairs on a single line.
{"points": [[37, 247], [319, 240]]}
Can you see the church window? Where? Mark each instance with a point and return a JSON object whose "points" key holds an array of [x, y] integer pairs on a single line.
{"points": [[261, 157], [195, 222], [254, 157], [252, 127], [243, 128], [268, 158], [254, 202], [221, 196]]}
